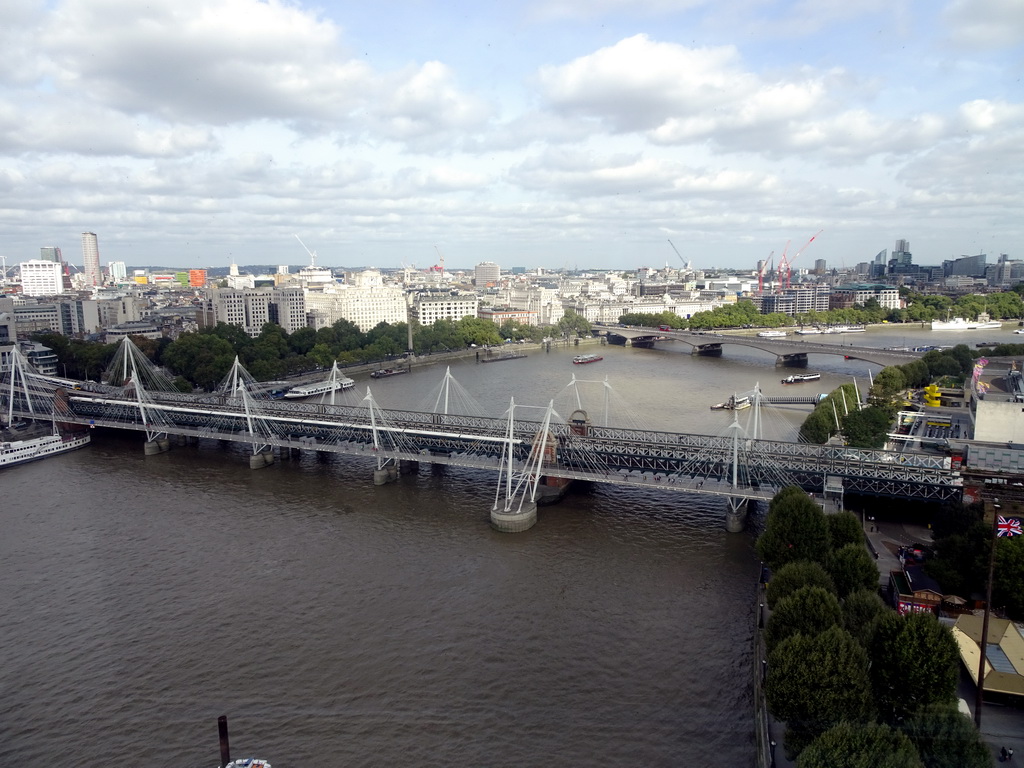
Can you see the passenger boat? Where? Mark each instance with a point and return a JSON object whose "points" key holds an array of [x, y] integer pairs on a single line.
{"points": [[386, 372], [248, 762], [809, 331], [733, 404], [17, 447], [584, 359], [799, 378], [771, 334], [320, 388]]}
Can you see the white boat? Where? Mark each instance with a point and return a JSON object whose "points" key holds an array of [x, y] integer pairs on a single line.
{"points": [[799, 378], [584, 359], [962, 324], [733, 404], [320, 388], [1019, 330], [771, 334], [248, 762], [17, 449], [809, 331], [852, 329]]}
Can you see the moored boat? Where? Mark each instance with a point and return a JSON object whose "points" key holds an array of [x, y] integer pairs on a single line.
{"points": [[500, 358], [584, 359], [771, 334], [809, 331], [733, 404], [17, 447], [386, 372], [320, 388]]}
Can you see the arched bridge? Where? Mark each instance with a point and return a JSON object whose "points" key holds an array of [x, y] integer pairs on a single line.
{"points": [[791, 350]]}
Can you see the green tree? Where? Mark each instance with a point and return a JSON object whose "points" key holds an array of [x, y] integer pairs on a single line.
{"points": [[946, 738], [860, 745], [867, 428], [203, 359], [794, 530], [914, 663], [861, 611], [813, 683], [844, 528], [807, 611], [1008, 581], [889, 383], [793, 576], [572, 324], [852, 568]]}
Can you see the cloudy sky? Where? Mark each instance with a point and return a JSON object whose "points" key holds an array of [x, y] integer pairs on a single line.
{"points": [[579, 133]]}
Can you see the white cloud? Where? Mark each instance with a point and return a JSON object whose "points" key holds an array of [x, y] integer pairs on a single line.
{"points": [[986, 23]]}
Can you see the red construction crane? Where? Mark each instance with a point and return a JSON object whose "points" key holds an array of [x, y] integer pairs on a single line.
{"points": [[785, 264]]}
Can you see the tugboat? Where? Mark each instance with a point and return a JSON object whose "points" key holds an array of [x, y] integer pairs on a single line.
{"points": [[386, 372], [799, 378]]}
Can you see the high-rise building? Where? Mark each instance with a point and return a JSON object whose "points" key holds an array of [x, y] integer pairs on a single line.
{"points": [[91, 259], [820, 266], [41, 278], [50, 253], [486, 273]]}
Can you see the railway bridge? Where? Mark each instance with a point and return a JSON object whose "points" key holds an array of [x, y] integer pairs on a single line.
{"points": [[534, 459]]}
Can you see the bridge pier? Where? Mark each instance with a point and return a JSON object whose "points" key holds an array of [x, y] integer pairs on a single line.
{"points": [[158, 446], [514, 521], [707, 350], [736, 514], [262, 459], [795, 360], [385, 475]]}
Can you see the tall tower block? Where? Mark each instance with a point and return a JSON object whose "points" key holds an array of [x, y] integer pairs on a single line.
{"points": [[91, 259]]}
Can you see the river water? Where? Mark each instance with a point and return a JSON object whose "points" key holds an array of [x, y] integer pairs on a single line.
{"points": [[338, 623]]}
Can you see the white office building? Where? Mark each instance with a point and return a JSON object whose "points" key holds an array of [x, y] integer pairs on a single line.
{"points": [[41, 278], [91, 259], [428, 308], [367, 302], [486, 273]]}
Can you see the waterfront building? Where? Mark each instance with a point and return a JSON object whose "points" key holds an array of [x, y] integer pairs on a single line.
{"points": [[91, 259], [288, 307], [249, 308], [543, 302], [427, 308], [812, 297], [500, 315], [846, 296], [41, 278], [366, 302]]}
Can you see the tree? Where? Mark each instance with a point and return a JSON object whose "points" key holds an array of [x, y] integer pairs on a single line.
{"points": [[945, 738], [914, 663], [861, 611], [867, 428], [808, 611], [889, 382], [795, 530], [844, 528], [813, 683], [204, 359], [1008, 582], [852, 568], [793, 576], [857, 745]]}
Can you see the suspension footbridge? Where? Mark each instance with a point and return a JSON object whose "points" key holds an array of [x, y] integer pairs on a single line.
{"points": [[534, 459]]}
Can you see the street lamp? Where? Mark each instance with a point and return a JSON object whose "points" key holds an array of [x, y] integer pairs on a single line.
{"points": [[772, 743]]}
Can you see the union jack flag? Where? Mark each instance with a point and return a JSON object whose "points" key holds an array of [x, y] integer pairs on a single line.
{"points": [[1008, 527]]}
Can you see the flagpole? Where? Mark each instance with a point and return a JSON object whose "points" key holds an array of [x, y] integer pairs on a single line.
{"points": [[983, 643]]}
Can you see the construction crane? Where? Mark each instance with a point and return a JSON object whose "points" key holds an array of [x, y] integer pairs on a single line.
{"points": [[312, 254], [760, 273], [678, 253], [440, 267], [785, 264]]}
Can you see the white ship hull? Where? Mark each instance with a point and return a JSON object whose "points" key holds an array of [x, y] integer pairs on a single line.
{"points": [[320, 388], [29, 449]]}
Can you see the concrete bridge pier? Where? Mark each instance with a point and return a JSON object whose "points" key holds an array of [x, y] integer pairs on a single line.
{"points": [[385, 475], [707, 350], [154, 447], [262, 459], [736, 514], [514, 520], [795, 360]]}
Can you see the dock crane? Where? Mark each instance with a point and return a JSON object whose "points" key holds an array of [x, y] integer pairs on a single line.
{"points": [[785, 264]]}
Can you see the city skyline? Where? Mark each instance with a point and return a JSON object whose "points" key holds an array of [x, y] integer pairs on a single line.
{"points": [[555, 135]]}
